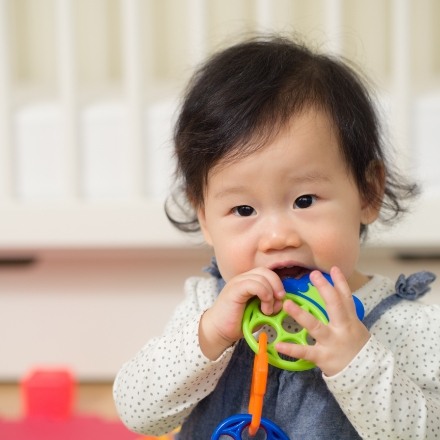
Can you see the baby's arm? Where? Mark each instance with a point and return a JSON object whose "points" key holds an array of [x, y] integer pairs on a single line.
{"points": [[392, 388], [158, 388]]}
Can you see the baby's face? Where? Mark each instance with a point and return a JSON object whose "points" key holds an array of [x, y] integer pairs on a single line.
{"points": [[291, 206]]}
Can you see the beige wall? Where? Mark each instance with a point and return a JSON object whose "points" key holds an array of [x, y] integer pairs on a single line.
{"points": [[364, 31], [100, 288]]}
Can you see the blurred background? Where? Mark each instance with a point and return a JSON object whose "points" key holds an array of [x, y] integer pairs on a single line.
{"points": [[89, 267]]}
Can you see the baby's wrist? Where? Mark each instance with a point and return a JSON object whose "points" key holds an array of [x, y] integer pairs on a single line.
{"points": [[212, 343]]}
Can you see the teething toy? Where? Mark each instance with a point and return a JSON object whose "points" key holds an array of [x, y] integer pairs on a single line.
{"points": [[303, 293], [258, 384], [235, 425]]}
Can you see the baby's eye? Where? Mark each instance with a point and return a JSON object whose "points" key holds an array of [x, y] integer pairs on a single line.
{"points": [[243, 211], [305, 201]]}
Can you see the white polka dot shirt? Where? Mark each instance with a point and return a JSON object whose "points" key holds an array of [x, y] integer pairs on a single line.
{"points": [[390, 390]]}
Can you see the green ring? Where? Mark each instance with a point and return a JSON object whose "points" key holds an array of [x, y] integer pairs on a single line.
{"points": [[253, 317]]}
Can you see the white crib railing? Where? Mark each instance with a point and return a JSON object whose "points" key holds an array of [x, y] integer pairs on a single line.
{"points": [[89, 91]]}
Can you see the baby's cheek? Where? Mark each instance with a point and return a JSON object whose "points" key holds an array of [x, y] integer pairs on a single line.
{"points": [[232, 264], [336, 249]]}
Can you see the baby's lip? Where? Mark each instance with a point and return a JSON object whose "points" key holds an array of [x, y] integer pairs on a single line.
{"points": [[291, 271]]}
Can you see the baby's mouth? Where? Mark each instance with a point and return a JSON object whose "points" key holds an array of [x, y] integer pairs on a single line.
{"points": [[291, 272]]}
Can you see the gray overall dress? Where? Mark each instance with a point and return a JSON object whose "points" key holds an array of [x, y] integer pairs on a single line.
{"points": [[298, 402]]}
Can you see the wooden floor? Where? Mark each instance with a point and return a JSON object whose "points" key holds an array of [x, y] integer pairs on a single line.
{"points": [[91, 399]]}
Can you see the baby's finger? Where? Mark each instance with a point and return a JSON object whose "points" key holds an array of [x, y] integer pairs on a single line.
{"points": [[296, 351], [338, 298], [315, 328], [258, 285], [341, 283], [275, 282], [271, 298]]}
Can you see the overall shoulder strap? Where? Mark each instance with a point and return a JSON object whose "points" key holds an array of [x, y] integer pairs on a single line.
{"points": [[408, 288], [214, 271]]}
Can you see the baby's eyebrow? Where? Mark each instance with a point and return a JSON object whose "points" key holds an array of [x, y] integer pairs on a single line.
{"points": [[309, 177], [296, 179], [230, 191]]}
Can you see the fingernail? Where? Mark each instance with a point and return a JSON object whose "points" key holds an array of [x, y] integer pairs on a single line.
{"points": [[280, 294]]}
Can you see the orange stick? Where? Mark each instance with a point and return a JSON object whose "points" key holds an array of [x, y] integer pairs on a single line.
{"points": [[258, 384]]}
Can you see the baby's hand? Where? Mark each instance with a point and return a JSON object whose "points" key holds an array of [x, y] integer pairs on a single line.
{"points": [[220, 325], [338, 342]]}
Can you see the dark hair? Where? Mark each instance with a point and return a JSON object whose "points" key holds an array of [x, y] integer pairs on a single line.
{"points": [[240, 99]]}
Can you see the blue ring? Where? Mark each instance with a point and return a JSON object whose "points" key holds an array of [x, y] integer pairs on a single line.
{"points": [[234, 426]]}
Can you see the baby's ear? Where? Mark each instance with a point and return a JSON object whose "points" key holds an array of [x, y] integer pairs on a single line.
{"points": [[203, 226], [372, 201]]}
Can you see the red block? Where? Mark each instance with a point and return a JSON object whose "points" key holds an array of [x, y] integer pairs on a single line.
{"points": [[48, 393]]}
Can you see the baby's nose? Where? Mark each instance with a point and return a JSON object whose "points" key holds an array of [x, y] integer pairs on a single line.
{"points": [[279, 234]]}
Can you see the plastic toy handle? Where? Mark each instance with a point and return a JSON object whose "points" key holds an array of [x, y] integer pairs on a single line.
{"points": [[258, 384]]}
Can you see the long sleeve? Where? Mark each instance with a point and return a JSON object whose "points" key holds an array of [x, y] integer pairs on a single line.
{"points": [[159, 387], [392, 388]]}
